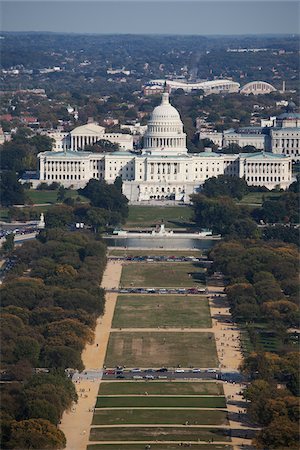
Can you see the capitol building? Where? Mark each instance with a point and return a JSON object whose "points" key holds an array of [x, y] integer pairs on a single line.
{"points": [[163, 169]]}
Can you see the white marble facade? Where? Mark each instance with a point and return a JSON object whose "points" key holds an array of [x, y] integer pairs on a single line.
{"points": [[164, 169]]}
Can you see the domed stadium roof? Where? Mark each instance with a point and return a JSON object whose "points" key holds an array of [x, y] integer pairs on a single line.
{"points": [[257, 87]]}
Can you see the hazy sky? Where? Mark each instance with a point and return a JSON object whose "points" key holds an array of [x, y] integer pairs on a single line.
{"points": [[156, 16]]}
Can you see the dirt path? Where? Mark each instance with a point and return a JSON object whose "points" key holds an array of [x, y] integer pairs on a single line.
{"points": [[161, 408], [230, 356], [161, 442], [163, 330], [76, 423], [168, 425]]}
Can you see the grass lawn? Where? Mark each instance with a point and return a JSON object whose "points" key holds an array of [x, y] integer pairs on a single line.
{"points": [[149, 216], [157, 349], [147, 252], [3, 214], [50, 196], [158, 433], [154, 416], [162, 275], [41, 196], [139, 311], [256, 198], [160, 387], [157, 447], [146, 401]]}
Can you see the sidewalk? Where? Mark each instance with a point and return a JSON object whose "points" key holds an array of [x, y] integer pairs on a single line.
{"points": [[76, 422]]}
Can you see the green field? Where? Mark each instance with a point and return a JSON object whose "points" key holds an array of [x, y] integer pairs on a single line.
{"points": [[160, 388], [162, 275], [154, 416], [41, 196], [157, 349], [149, 216], [147, 311], [148, 252], [155, 433], [256, 198], [146, 401], [157, 447], [50, 196], [4, 214]]}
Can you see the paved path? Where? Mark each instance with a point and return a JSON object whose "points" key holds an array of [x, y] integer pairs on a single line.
{"points": [[160, 408], [163, 330], [230, 356], [76, 422], [168, 425], [160, 442]]}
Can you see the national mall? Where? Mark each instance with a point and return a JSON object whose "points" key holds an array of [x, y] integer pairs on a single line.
{"points": [[163, 169]]}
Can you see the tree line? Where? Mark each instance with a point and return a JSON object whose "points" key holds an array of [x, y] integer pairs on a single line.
{"points": [[217, 207], [50, 302], [263, 292]]}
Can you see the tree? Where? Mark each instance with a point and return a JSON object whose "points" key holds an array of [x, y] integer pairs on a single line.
{"points": [[215, 214], [61, 194], [11, 189], [281, 433], [295, 186], [282, 311], [9, 243], [119, 183], [267, 289], [232, 149], [42, 409], [243, 229], [225, 185], [59, 216], [281, 233], [98, 218], [249, 149], [102, 146], [61, 356], [106, 196], [36, 434], [27, 348]]}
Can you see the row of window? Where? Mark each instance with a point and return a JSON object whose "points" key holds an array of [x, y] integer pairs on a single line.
{"points": [[265, 179], [61, 177]]}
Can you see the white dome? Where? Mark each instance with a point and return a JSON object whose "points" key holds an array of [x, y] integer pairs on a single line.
{"points": [[165, 133], [165, 112]]}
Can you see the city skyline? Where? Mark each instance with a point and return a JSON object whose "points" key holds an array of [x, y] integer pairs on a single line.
{"points": [[193, 17]]}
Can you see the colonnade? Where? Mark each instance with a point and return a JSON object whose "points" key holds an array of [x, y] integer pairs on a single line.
{"points": [[165, 142], [162, 168], [79, 142]]}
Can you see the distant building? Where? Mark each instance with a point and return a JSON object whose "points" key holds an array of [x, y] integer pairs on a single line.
{"points": [[209, 87], [268, 122], [257, 88], [285, 136], [85, 135], [153, 90], [253, 136], [109, 121], [164, 169], [214, 136], [4, 136], [136, 128], [288, 120]]}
